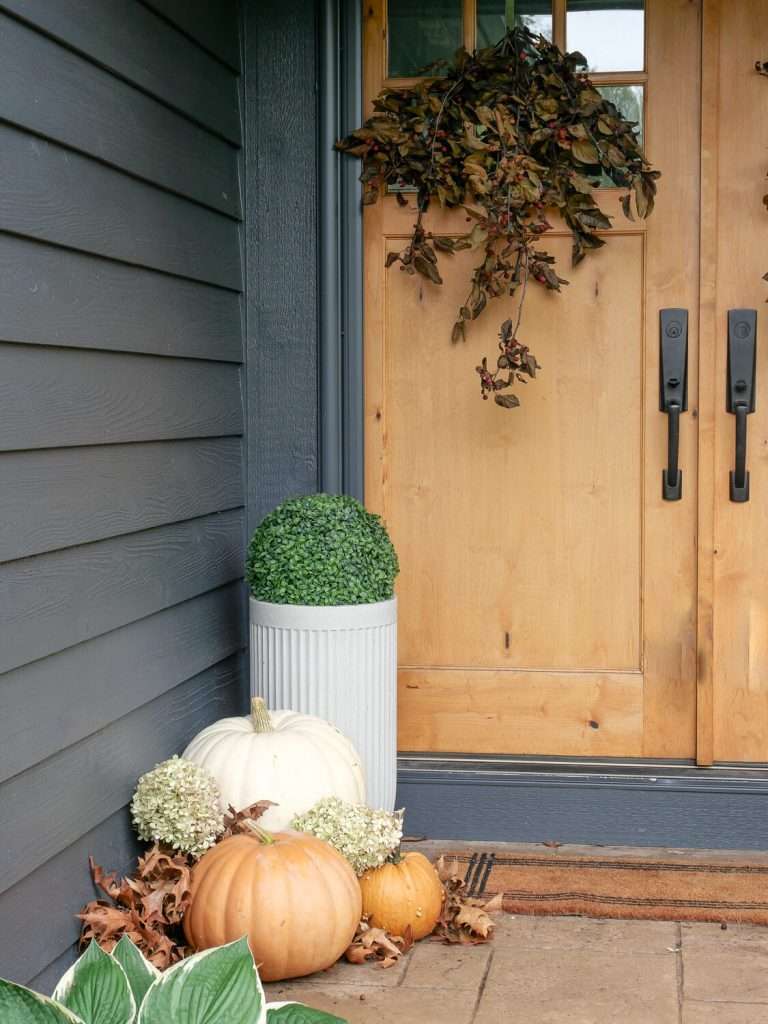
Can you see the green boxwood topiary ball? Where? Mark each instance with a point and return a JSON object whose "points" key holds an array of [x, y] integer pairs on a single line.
{"points": [[322, 549]]}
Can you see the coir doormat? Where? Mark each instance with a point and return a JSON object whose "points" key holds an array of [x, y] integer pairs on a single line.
{"points": [[671, 887]]}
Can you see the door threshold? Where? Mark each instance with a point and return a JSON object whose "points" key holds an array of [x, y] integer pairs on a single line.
{"points": [[670, 767]]}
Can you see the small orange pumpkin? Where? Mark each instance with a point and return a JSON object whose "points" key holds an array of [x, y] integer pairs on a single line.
{"points": [[405, 894], [294, 896]]}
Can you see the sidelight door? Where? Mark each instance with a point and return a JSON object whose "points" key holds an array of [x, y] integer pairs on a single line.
{"points": [[733, 577]]}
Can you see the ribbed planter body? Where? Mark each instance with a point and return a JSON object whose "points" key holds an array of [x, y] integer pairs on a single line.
{"points": [[339, 663]]}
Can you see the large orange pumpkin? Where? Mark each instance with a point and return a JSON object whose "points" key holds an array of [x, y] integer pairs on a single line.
{"points": [[294, 896], [406, 894]]}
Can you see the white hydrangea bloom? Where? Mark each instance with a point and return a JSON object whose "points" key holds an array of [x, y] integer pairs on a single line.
{"points": [[365, 837], [177, 803]]}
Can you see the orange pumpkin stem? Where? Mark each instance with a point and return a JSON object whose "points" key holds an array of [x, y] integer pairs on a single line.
{"points": [[260, 716], [259, 833]]}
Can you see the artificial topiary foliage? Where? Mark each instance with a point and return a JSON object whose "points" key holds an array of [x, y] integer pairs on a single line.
{"points": [[507, 134], [321, 549]]}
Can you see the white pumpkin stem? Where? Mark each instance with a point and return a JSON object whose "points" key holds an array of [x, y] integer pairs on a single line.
{"points": [[260, 716]]}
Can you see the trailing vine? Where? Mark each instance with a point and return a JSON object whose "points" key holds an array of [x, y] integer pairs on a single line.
{"points": [[507, 134]]}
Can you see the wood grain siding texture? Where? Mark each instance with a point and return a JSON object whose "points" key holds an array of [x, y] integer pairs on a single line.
{"points": [[122, 612]]}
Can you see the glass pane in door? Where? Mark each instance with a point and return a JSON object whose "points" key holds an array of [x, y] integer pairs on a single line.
{"points": [[610, 33], [421, 32], [628, 100], [493, 16]]}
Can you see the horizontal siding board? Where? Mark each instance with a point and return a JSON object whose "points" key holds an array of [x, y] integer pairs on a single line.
{"points": [[56, 802], [55, 195], [83, 106], [47, 980], [54, 499], [84, 688], [213, 26], [40, 897], [133, 42], [51, 602], [52, 296], [51, 397]]}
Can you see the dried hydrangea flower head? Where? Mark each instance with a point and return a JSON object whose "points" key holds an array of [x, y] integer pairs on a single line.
{"points": [[177, 803], [365, 837]]}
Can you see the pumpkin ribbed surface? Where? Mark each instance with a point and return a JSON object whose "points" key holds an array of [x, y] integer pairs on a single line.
{"points": [[296, 899], [405, 894], [289, 758]]}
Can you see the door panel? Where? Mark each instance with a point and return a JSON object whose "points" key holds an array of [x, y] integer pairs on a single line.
{"points": [[548, 593], [520, 530], [738, 714]]}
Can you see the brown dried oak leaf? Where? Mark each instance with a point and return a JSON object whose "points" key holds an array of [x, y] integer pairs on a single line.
{"points": [[377, 945], [147, 906], [463, 919], [236, 822]]}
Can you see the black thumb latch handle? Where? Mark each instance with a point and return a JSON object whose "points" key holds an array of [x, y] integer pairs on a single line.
{"points": [[673, 393], [740, 395]]}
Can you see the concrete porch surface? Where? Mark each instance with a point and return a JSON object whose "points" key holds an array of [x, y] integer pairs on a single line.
{"points": [[558, 970]]}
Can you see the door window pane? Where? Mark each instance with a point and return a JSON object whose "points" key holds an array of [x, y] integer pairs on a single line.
{"points": [[493, 16], [628, 100], [610, 33], [421, 32]]}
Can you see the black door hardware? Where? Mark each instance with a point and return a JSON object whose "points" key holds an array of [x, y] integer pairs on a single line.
{"points": [[673, 392], [740, 396]]}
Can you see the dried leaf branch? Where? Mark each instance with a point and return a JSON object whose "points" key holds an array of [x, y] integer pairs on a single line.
{"points": [[505, 134]]}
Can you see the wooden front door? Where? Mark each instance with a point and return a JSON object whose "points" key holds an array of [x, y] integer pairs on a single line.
{"points": [[551, 602]]}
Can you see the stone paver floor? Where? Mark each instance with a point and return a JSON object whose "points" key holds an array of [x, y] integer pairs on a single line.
{"points": [[564, 970]]}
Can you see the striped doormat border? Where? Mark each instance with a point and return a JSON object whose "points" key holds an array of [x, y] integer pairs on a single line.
{"points": [[677, 888]]}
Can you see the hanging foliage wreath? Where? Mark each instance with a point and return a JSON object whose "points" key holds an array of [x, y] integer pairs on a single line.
{"points": [[506, 134]]}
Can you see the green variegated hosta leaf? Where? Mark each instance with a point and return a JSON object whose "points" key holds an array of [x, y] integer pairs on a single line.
{"points": [[297, 1013], [20, 1005], [96, 989], [217, 986], [138, 970]]}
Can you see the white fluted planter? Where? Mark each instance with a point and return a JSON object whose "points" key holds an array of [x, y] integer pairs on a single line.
{"points": [[339, 663]]}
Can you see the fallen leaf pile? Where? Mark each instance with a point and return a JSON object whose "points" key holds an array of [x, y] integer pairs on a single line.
{"points": [[374, 944], [146, 906], [464, 919], [149, 904]]}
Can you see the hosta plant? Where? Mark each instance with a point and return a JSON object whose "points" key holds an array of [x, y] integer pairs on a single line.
{"points": [[218, 986]]}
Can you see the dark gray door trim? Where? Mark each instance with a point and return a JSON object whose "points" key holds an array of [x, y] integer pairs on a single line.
{"points": [[340, 441], [497, 800]]}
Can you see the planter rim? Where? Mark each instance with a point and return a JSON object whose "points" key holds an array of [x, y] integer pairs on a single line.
{"points": [[334, 616]]}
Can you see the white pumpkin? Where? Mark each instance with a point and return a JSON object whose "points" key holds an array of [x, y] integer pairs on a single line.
{"points": [[289, 758]]}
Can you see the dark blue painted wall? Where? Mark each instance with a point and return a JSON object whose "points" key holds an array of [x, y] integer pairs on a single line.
{"points": [[122, 427]]}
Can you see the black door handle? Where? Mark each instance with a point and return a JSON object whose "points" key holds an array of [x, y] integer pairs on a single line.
{"points": [[673, 393], [740, 396]]}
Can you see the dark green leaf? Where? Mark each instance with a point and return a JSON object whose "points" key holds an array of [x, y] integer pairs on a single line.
{"points": [[585, 152]]}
